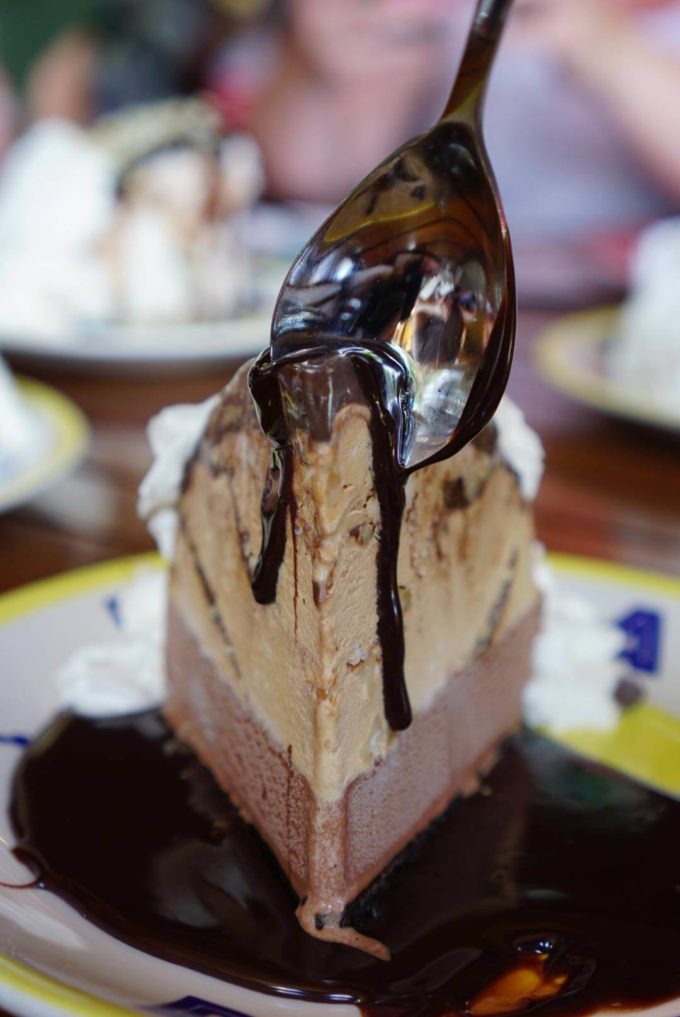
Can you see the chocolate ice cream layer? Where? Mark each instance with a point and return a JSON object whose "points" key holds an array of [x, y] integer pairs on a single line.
{"points": [[330, 851]]}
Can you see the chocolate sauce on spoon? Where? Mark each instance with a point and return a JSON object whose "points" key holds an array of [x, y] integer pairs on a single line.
{"points": [[556, 890]]}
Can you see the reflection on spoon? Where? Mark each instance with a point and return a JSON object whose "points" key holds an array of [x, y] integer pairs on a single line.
{"points": [[418, 256]]}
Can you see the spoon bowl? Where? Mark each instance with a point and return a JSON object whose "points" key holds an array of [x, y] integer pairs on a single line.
{"points": [[418, 256]]}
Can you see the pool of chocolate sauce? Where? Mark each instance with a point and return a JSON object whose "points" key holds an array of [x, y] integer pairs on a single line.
{"points": [[559, 875]]}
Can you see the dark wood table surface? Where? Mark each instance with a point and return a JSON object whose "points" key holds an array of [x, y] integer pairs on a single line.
{"points": [[610, 490]]}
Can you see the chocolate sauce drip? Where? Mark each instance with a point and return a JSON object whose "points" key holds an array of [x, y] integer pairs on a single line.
{"points": [[389, 481], [34, 884], [277, 497], [384, 385], [559, 867]]}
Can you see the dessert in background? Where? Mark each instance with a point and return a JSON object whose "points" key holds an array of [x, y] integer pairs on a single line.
{"points": [[22, 435], [133, 222], [644, 354]]}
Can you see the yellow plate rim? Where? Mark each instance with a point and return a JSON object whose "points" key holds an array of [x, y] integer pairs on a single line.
{"points": [[70, 435], [33, 596], [585, 332], [38, 987]]}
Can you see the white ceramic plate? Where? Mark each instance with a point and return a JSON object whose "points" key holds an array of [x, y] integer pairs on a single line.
{"points": [[53, 962], [65, 436], [172, 347], [570, 356]]}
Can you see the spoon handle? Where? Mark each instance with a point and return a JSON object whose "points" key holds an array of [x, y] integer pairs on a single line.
{"points": [[469, 88]]}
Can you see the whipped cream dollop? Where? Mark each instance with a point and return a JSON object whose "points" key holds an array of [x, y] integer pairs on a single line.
{"points": [[75, 255], [173, 435], [576, 665], [56, 198], [646, 352], [126, 672], [520, 447]]}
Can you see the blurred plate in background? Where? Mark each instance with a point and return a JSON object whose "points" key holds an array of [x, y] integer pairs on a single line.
{"points": [[167, 348], [63, 441], [571, 356]]}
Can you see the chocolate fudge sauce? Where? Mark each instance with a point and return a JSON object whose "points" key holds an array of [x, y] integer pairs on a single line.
{"points": [[382, 381], [556, 889]]}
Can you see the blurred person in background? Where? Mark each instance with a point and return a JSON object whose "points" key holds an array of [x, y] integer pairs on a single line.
{"points": [[341, 83], [78, 59], [583, 112]]}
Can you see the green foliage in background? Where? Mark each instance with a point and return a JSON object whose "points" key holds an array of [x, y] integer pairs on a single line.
{"points": [[27, 27]]}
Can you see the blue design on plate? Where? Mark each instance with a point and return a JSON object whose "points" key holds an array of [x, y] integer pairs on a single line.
{"points": [[21, 741], [192, 1005], [643, 639], [112, 605]]}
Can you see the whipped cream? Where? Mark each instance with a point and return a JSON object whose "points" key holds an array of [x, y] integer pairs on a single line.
{"points": [[520, 447], [56, 198], [173, 434], [71, 263], [576, 666], [646, 353], [125, 673]]}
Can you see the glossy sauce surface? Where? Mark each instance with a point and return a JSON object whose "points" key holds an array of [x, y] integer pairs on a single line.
{"points": [[553, 889]]}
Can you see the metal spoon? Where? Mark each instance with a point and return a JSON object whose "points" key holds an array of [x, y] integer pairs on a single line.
{"points": [[419, 256]]}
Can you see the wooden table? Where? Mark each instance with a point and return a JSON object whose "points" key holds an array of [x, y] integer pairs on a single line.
{"points": [[610, 490]]}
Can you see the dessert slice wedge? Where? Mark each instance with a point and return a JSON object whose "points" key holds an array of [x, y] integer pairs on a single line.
{"points": [[285, 701]]}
